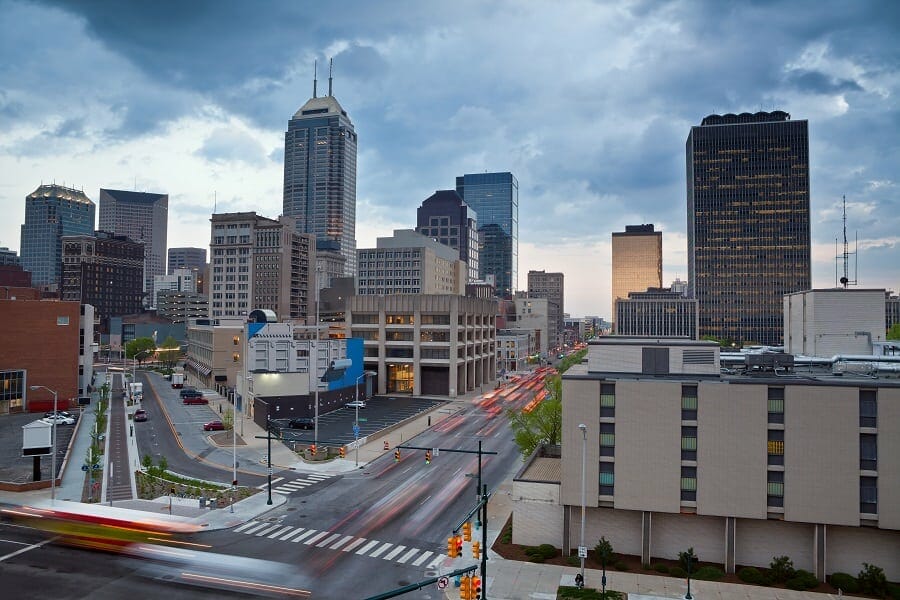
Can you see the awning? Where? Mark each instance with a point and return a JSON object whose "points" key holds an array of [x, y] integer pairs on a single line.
{"points": [[197, 367]]}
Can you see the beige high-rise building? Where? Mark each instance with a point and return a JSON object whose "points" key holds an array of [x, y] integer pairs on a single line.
{"points": [[410, 263], [636, 261], [552, 287], [260, 263]]}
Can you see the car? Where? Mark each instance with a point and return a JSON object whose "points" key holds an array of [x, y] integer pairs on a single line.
{"points": [[302, 423], [59, 419], [64, 413], [185, 392], [356, 404], [214, 426], [140, 415], [194, 400]]}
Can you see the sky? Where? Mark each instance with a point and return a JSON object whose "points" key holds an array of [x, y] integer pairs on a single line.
{"points": [[588, 104]]}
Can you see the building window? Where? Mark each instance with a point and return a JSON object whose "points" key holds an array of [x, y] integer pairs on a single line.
{"points": [[776, 447], [868, 452], [607, 478], [868, 495], [607, 400], [689, 403], [776, 405], [775, 490], [689, 484], [868, 409], [62, 320], [607, 439], [688, 443]]}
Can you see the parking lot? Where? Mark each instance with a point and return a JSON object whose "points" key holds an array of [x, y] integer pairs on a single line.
{"points": [[15, 468]]}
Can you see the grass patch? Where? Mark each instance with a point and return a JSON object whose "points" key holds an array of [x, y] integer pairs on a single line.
{"points": [[568, 592]]}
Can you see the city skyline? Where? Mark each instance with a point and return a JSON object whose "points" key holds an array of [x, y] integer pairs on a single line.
{"points": [[152, 116]]}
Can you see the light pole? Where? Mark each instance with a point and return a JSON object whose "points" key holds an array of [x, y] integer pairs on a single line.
{"points": [[583, 429], [53, 434], [356, 421], [316, 415]]}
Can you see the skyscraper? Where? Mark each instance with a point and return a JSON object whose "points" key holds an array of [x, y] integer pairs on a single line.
{"points": [[495, 199], [747, 222], [143, 217], [550, 286], [445, 217], [320, 176], [187, 258], [52, 211], [636, 261]]}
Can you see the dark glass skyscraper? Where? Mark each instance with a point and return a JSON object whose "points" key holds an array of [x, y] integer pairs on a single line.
{"points": [[52, 211], [320, 175], [445, 217], [747, 222], [495, 199]]}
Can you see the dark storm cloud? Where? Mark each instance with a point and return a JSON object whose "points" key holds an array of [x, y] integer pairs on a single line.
{"points": [[819, 83]]}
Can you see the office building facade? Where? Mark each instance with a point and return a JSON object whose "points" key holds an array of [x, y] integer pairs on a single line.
{"points": [[320, 176], [51, 212], [748, 222], [8, 257], [446, 218], [410, 263], [636, 261], [261, 263], [179, 280], [552, 287], [180, 307], [657, 313], [143, 217], [495, 199]]}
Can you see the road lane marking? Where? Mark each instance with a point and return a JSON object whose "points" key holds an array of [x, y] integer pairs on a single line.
{"points": [[308, 533], [276, 534], [342, 542], [256, 527], [412, 552], [291, 534], [393, 553], [245, 526], [27, 548], [263, 532], [422, 558], [381, 549], [368, 547], [328, 540], [315, 538], [440, 558]]}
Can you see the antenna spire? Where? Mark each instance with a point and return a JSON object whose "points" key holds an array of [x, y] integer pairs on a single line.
{"points": [[315, 74], [330, 71], [845, 280]]}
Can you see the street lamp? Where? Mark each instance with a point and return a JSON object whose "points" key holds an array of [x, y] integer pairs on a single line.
{"points": [[316, 416], [53, 434], [356, 422], [583, 429]]}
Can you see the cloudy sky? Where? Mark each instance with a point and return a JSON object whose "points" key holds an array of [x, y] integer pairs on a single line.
{"points": [[587, 103]]}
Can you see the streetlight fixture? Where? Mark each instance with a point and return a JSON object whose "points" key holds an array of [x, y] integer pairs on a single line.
{"points": [[53, 434], [356, 421], [316, 415], [581, 550]]}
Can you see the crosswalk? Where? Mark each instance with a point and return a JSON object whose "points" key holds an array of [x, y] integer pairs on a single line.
{"points": [[288, 486], [389, 551]]}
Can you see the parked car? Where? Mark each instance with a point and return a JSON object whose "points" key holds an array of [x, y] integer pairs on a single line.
{"points": [[214, 426], [194, 400], [357, 404], [185, 392], [140, 415], [59, 419], [302, 423], [64, 413]]}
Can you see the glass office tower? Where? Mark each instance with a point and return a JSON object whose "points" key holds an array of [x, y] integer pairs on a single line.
{"points": [[495, 199], [52, 211], [320, 176], [748, 222]]}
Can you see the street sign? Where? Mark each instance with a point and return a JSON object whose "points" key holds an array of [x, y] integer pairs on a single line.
{"points": [[95, 467], [356, 430], [363, 420], [84, 467], [435, 451], [582, 551], [443, 582]]}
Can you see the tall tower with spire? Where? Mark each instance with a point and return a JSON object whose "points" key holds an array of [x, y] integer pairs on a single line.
{"points": [[320, 178]]}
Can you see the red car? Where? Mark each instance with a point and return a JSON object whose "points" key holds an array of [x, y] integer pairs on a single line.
{"points": [[194, 400], [140, 415], [214, 426]]}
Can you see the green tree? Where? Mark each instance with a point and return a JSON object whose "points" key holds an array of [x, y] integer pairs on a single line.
{"points": [[894, 332], [542, 425], [168, 351], [140, 348], [604, 550], [228, 418], [572, 359]]}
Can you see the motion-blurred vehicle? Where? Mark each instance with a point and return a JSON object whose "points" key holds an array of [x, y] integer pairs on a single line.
{"points": [[356, 404], [302, 423], [64, 413], [194, 400], [59, 420]]}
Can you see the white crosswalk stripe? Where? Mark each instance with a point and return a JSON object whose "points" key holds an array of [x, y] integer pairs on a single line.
{"points": [[440, 558], [291, 534], [279, 532], [308, 533], [267, 530], [368, 547], [256, 527], [356, 543], [328, 540], [287, 486], [412, 552], [245, 526], [422, 558], [340, 543], [315, 538], [393, 553], [381, 550]]}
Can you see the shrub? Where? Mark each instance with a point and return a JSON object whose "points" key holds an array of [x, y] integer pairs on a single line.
{"points": [[683, 559], [566, 592], [872, 580], [621, 566], [844, 582], [709, 573], [540, 553], [781, 569], [751, 575], [573, 561], [661, 568], [677, 572], [893, 590], [802, 580], [603, 550]]}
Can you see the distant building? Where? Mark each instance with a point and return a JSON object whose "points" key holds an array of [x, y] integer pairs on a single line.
{"points": [[104, 270], [891, 310], [410, 263], [531, 316], [481, 289], [51, 212], [215, 349], [180, 307], [320, 176], [680, 287], [552, 287], [8, 257], [514, 346], [748, 222], [657, 313], [180, 280], [495, 199], [446, 218], [827, 322], [143, 217], [15, 276], [186, 258], [636, 261], [260, 263]]}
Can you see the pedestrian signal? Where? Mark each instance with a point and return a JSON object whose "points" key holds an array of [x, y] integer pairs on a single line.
{"points": [[467, 531], [476, 550], [428, 457], [312, 449], [451, 546], [342, 452], [465, 589], [397, 455]]}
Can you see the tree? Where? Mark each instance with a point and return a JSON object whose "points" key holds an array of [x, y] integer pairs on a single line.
{"points": [[543, 425], [140, 348], [168, 351], [572, 359], [894, 332]]}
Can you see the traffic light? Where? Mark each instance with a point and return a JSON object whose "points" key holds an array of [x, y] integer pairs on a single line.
{"points": [[467, 531], [476, 550], [475, 588], [342, 452], [451, 546], [428, 457], [465, 589], [312, 449], [459, 542], [397, 455]]}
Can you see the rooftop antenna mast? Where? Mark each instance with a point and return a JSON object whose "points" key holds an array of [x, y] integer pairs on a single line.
{"points": [[330, 71], [845, 280], [315, 75]]}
